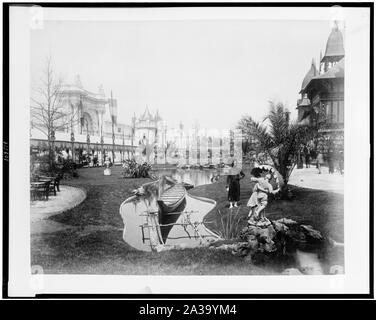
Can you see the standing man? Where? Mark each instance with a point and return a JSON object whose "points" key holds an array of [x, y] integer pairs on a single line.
{"points": [[320, 161], [307, 156], [331, 161]]}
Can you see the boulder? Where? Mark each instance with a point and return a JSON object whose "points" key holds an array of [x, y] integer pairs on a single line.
{"points": [[261, 239], [253, 244], [268, 247], [280, 227], [311, 233], [286, 221]]}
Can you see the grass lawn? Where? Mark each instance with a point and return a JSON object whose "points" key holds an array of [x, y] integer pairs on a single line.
{"points": [[95, 244], [101, 250], [323, 210]]}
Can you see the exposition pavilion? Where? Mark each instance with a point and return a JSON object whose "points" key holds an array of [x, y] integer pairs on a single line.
{"points": [[92, 129]]}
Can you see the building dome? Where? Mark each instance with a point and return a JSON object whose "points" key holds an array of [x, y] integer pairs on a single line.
{"points": [[334, 45], [312, 72]]}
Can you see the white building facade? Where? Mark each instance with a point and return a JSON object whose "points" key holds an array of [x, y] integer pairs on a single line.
{"points": [[89, 130]]}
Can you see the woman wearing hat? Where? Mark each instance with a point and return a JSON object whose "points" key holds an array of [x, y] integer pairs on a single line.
{"points": [[233, 185]]}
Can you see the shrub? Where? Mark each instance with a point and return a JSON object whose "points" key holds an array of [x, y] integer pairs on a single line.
{"points": [[132, 169], [68, 167], [228, 228]]}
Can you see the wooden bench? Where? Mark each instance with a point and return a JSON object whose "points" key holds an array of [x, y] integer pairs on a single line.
{"points": [[55, 182], [39, 189]]}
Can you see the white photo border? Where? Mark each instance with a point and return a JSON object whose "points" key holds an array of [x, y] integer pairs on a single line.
{"points": [[356, 280]]}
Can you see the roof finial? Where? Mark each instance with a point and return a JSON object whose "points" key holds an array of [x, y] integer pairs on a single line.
{"points": [[313, 66], [335, 26]]}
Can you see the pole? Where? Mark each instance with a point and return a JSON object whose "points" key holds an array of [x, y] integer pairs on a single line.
{"points": [[72, 142], [133, 131], [123, 149], [113, 132]]}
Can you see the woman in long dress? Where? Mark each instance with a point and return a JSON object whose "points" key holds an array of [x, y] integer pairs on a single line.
{"points": [[233, 188]]}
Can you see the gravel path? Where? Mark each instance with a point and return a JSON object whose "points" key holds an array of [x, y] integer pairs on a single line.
{"points": [[309, 178], [40, 211]]}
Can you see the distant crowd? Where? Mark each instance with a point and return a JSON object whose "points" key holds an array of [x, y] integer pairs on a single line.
{"points": [[333, 157]]}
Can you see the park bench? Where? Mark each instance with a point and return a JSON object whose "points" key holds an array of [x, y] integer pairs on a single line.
{"points": [[41, 186], [54, 182], [39, 189]]}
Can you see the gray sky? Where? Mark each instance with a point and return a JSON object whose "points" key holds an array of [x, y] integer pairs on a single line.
{"points": [[211, 71]]}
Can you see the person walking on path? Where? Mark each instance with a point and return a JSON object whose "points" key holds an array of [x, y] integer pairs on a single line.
{"points": [[313, 156], [307, 156], [340, 161], [320, 161], [331, 161]]}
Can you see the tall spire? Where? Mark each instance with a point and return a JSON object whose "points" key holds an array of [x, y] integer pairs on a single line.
{"points": [[320, 63], [313, 66], [335, 26], [334, 50], [146, 115]]}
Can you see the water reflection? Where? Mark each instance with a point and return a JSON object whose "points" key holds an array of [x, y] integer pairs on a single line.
{"points": [[193, 177], [141, 218]]}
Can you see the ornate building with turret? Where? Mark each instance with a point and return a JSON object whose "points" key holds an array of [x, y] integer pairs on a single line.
{"points": [[90, 129], [321, 103], [147, 127]]}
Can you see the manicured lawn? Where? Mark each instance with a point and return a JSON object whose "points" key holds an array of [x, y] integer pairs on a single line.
{"points": [[103, 251], [104, 197], [95, 244], [323, 210]]}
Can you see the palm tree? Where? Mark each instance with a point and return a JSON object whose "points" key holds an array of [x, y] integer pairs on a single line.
{"points": [[279, 138]]}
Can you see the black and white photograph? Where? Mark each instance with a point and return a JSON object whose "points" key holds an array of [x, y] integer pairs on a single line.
{"points": [[226, 145]]}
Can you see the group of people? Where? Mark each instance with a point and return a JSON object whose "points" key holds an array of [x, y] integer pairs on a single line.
{"points": [[332, 157], [259, 198]]}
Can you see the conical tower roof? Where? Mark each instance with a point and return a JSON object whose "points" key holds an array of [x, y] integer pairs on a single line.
{"points": [[312, 72], [146, 115], [334, 45]]}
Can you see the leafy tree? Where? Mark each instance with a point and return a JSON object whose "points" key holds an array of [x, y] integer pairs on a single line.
{"points": [[278, 137]]}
